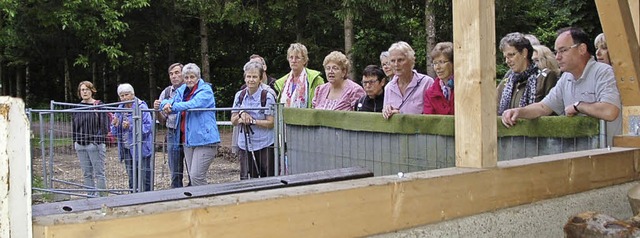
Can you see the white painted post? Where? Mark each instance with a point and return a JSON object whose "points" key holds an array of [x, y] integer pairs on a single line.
{"points": [[15, 170]]}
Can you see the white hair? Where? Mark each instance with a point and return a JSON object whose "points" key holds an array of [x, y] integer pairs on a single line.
{"points": [[125, 88]]}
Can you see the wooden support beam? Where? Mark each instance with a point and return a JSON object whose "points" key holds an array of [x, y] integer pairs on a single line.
{"points": [[475, 105], [634, 6], [15, 170], [616, 20], [201, 191], [357, 208]]}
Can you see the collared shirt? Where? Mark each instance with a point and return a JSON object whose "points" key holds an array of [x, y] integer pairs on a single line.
{"points": [[261, 137], [171, 118], [412, 101], [596, 84]]}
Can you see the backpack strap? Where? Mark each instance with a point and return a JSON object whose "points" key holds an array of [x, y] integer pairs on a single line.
{"points": [[241, 96], [263, 98]]}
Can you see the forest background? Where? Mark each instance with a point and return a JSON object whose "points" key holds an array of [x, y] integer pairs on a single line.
{"points": [[48, 46]]}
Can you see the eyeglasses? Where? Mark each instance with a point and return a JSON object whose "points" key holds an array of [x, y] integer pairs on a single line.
{"points": [[334, 68], [510, 55], [436, 63], [561, 51], [368, 82]]}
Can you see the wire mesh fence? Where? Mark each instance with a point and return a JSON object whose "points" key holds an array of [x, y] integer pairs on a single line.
{"points": [[57, 165]]}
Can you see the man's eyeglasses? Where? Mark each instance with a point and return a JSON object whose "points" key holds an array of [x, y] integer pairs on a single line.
{"points": [[366, 82], [436, 63], [565, 49]]}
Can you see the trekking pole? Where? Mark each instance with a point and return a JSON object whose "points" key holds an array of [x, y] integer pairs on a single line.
{"points": [[247, 141]]}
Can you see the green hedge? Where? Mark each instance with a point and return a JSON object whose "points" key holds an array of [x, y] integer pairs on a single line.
{"points": [[551, 126]]}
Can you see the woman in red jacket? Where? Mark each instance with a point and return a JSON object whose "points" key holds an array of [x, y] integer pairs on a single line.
{"points": [[438, 99]]}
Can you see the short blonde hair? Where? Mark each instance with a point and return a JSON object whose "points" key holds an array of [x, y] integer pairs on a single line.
{"points": [[340, 59], [406, 49], [546, 58], [297, 48]]}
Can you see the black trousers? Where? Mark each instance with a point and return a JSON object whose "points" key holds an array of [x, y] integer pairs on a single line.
{"points": [[264, 161]]}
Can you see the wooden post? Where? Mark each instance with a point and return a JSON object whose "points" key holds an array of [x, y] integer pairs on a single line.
{"points": [[617, 24], [15, 170], [475, 105], [634, 6]]}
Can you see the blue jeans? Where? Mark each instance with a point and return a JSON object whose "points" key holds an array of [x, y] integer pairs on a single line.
{"points": [[146, 169], [92, 157], [176, 158]]}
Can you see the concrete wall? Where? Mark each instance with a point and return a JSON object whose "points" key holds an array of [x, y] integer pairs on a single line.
{"points": [[540, 219], [317, 148]]}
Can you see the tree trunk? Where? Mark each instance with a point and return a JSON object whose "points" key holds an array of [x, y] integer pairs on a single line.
{"points": [[300, 16], [19, 81], [3, 83], [104, 82], [67, 81], [94, 73], [348, 41], [431, 35], [27, 79], [152, 81], [204, 46]]}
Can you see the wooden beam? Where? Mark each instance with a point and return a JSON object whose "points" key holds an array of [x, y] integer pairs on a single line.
{"points": [[15, 170], [626, 141], [475, 101], [357, 208], [634, 6], [616, 20]]}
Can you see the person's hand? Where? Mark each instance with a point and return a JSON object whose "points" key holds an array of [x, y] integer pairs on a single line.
{"points": [[245, 118], [125, 123], [510, 116], [388, 111], [167, 108], [114, 120], [570, 111], [156, 104]]}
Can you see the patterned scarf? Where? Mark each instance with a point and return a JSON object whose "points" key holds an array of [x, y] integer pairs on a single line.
{"points": [[529, 95], [295, 91], [447, 88]]}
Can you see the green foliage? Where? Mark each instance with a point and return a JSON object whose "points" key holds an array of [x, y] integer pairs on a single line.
{"points": [[134, 40]]}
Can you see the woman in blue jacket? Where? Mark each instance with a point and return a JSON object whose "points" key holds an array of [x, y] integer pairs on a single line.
{"points": [[198, 129], [122, 127]]}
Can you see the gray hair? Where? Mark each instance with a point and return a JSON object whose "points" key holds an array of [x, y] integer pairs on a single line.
{"points": [[253, 65], [532, 39], [175, 65], [125, 88], [191, 68], [600, 40], [384, 54], [519, 41], [406, 49]]}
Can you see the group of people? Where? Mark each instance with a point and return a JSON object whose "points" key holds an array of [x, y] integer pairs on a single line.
{"points": [[567, 81]]}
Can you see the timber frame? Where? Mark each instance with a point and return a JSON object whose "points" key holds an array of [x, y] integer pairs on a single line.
{"points": [[388, 203]]}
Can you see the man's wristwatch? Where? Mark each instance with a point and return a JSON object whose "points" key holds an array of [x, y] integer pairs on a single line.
{"points": [[253, 121], [575, 106]]}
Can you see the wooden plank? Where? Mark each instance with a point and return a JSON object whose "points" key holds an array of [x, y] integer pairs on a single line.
{"points": [[75, 206], [475, 105], [432, 158], [634, 6], [626, 141], [617, 24], [358, 208], [15, 170], [531, 146]]}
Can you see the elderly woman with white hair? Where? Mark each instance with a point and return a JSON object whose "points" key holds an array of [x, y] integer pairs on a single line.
{"points": [[256, 141], [122, 127], [198, 129], [404, 93], [602, 51]]}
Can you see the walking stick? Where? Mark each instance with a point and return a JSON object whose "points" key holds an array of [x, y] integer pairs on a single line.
{"points": [[247, 142]]}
